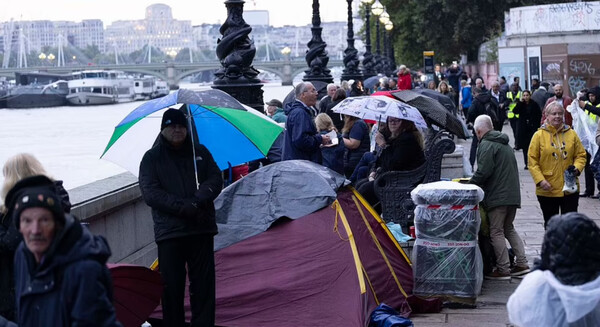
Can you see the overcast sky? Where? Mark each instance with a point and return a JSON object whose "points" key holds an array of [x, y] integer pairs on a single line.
{"points": [[281, 12]]}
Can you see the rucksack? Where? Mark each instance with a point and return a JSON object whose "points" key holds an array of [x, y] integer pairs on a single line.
{"points": [[492, 111]]}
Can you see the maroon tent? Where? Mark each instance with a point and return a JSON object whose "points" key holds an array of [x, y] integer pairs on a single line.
{"points": [[329, 268]]}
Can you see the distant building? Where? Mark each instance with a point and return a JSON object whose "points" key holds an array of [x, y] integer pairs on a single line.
{"points": [[158, 29]]}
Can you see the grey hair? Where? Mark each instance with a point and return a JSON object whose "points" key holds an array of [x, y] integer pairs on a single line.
{"points": [[483, 122], [301, 88], [330, 85], [495, 83]]}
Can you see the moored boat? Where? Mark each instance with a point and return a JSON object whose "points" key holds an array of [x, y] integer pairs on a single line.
{"points": [[36, 90], [90, 87]]}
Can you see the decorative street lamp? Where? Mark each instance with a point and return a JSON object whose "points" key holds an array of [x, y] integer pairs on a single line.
{"points": [[236, 52], [51, 57], [389, 27], [316, 56], [287, 78], [42, 57], [377, 9], [351, 61], [368, 64]]}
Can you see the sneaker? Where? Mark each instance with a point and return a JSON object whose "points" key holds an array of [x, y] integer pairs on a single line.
{"points": [[495, 275], [519, 271]]}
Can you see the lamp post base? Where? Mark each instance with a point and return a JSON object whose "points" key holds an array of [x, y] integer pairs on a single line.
{"points": [[248, 94]]}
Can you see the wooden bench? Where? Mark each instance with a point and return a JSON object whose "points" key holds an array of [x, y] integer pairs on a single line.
{"points": [[393, 188]]}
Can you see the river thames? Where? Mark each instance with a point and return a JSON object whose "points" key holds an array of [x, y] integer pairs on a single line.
{"points": [[69, 140]]}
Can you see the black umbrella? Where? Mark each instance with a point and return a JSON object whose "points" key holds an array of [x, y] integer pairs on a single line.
{"points": [[445, 100], [370, 82], [433, 111]]}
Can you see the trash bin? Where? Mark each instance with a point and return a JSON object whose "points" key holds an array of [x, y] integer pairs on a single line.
{"points": [[446, 258]]}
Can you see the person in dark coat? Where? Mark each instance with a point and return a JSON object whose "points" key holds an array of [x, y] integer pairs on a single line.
{"points": [[333, 154], [338, 120], [19, 166], [541, 95], [184, 218], [402, 150], [357, 141], [480, 99], [528, 123], [61, 278], [326, 100], [301, 138]]}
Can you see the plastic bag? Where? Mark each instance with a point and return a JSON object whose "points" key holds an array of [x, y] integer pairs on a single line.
{"points": [[396, 231], [585, 127], [386, 316], [570, 180]]}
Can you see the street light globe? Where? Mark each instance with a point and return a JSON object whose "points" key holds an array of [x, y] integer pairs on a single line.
{"points": [[51, 57], [172, 53], [42, 56], [367, 2], [389, 26], [384, 18], [377, 8], [286, 51]]}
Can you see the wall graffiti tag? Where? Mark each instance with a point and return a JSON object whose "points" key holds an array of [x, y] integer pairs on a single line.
{"points": [[582, 67], [576, 84], [562, 17], [553, 68]]}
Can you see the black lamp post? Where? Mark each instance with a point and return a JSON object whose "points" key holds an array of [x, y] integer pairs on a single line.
{"points": [[236, 52], [316, 55], [389, 26], [384, 18], [351, 61], [368, 62], [377, 10]]}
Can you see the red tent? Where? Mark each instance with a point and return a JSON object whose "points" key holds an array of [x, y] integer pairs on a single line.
{"points": [[329, 268]]}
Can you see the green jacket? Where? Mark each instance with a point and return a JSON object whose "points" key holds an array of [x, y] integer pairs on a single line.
{"points": [[497, 172], [279, 116]]}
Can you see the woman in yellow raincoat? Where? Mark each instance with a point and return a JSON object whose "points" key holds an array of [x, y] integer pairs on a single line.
{"points": [[553, 149]]}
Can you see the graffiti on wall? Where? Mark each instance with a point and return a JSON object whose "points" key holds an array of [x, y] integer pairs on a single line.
{"points": [[576, 84], [560, 17], [582, 67]]}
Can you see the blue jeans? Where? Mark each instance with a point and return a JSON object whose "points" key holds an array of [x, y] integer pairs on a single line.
{"points": [[362, 168]]}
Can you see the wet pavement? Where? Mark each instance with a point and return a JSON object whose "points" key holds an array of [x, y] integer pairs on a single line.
{"points": [[529, 223]]}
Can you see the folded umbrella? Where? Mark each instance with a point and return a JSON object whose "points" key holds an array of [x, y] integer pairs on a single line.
{"points": [[379, 108], [433, 111], [232, 132]]}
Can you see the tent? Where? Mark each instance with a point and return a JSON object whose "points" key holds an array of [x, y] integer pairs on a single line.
{"points": [[331, 267]]}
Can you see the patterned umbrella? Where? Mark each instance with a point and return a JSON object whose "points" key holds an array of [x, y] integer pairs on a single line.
{"points": [[433, 111], [232, 132], [379, 108]]}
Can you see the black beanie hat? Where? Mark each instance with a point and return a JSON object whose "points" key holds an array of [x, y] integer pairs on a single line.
{"points": [[34, 192], [173, 116]]}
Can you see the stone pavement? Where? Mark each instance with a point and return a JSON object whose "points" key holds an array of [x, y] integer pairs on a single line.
{"points": [[529, 223]]}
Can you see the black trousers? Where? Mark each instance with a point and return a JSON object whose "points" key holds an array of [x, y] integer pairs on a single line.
{"points": [[173, 255], [473, 153], [551, 206], [590, 181], [513, 125]]}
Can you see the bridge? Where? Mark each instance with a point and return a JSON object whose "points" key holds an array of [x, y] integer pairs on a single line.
{"points": [[174, 72]]}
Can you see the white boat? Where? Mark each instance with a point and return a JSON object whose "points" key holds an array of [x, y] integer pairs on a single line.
{"points": [[91, 87], [144, 87], [161, 88]]}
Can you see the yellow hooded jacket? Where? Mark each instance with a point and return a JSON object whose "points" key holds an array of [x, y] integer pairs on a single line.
{"points": [[551, 152]]}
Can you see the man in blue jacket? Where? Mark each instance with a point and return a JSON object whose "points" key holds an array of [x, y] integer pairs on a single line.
{"points": [[301, 138], [184, 218], [61, 278]]}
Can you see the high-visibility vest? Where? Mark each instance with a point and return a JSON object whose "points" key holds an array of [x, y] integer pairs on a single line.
{"points": [[513, 104], [589, 113]]}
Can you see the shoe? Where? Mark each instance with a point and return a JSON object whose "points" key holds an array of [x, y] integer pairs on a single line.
{"points": [[526, 168], [519, 271], [585, 195], [495, 275], [595, 196]]}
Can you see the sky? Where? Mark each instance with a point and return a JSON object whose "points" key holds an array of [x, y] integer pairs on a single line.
{"points": [[281, 12]]}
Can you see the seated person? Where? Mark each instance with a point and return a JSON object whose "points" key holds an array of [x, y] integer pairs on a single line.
{"points": [[403, 150], [564, 289], [333, 153]]}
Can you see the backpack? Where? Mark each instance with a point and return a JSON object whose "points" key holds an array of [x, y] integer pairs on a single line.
{"points": [[493, 111]]}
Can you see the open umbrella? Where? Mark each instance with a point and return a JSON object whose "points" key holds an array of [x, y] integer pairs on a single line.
{"points": [[378, 108], [137, 292], [433, 111], [370, 82], [232, 132], [445, 100]]}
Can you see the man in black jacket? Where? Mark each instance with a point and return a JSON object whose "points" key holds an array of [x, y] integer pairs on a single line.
{"points": [[478, 107], [184, 218]]}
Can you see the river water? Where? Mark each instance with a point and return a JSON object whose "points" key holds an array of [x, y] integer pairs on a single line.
{"points": [[69, 140]]}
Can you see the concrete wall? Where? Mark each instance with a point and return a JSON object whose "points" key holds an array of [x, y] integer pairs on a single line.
{"points": [[114, 209]]}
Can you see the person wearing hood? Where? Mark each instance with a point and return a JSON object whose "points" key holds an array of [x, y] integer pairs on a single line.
{"points": [[179, 182], [528, 123], [592, 109], [564, 288], [477, 108], [61, 276], [554, 149], [498, 176], [302, 141]]}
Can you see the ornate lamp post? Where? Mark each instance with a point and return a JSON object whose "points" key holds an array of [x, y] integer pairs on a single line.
{"points": [[368, 63], [376, 10], [384, 18], [236, 51], [316, 56], [389, 27], [51, 57], [42, 57], [287, 68], [351, 61]]}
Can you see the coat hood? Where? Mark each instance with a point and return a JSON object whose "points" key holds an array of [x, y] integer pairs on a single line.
{"points": [[495, 136], [577, 301], [595, 91], [289, 106], [483, 97]]}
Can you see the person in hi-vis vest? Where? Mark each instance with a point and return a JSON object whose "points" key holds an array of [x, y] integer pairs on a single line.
{"points": [[512, 98], [592, 109]]}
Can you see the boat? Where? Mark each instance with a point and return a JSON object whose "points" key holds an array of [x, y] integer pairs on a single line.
{"points": [[144, 87], [91, 87], [36, 90], [161, 88]]}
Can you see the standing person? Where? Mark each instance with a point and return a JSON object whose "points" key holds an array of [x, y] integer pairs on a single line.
{"points": [[592, 109], [528, 123], [357, 142], [184, 218], [61, 278], [301, 138], [478, 107], [535, 84], [453, 73], [338, 120], [16, 168], [275, 111], [466, 97], [554, 148], [392, 84], [541, 95], [326, 100], [444, 89], [438, 75], [497, 174], [479, 83], [404, 78], [563, 289], [512, 98], [504, 88], [563, 100], [356, 89]]}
